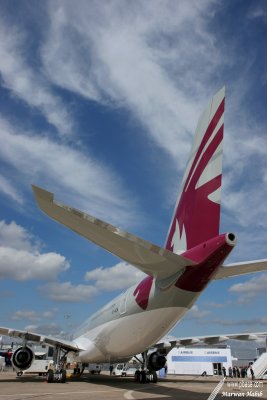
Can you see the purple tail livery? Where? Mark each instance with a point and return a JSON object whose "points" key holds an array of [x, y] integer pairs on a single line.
{"points": [[197, 213]]}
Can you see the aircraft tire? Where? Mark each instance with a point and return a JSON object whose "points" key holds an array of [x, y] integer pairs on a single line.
{"points": [[142, 377], [154, 377], [137, 376], [63, 376], [50, 376]]}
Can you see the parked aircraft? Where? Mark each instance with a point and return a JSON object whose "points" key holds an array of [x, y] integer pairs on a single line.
{"points": [[177, 273]]}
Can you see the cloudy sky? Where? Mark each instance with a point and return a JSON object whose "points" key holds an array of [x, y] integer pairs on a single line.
{"points": [[99, 102]]}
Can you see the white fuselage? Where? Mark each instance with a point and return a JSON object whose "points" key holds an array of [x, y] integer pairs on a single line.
{"points": [[122, 328]]}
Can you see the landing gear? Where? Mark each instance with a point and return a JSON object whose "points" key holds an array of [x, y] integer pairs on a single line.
{"points": [[63, 376], [154, 377], [57, 376], [146, 374], [143, 376], [50, 376], [57, 371], [147, 377]]}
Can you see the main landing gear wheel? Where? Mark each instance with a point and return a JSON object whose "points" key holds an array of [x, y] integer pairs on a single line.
{"points": [[148, 373], [63, 376], [50, 376], [59, 376], [143, 377], [154, 377]]}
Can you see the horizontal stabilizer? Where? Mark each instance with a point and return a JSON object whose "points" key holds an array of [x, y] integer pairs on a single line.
{"points": [[35, 337], [149, 258], [242, 268]]}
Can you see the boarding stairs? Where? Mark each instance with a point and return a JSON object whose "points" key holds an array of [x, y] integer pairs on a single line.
{"points": [[259, 367]]}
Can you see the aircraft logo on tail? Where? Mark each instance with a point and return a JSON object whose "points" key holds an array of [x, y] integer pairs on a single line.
{"points": [[197, 214]]}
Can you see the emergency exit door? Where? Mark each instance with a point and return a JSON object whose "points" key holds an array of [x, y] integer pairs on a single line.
{"points": [[123, 303]]}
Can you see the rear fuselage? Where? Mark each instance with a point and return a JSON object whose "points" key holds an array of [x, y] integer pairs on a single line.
{"points": [[144, 313]]}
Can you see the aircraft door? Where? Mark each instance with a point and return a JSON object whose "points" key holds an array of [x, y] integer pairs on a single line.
{"points": [[123, 303]]}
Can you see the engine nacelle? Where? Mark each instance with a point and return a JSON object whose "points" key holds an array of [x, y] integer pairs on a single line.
{"points": [[22, 358], [156, 361]]}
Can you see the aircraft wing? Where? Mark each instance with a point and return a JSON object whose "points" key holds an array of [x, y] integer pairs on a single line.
{"points": [[210, 340], [149, 258], [242, 268], [35, 337], [220, 338]]}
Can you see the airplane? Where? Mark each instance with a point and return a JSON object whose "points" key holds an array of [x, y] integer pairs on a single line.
{"points": [[193, 256]]}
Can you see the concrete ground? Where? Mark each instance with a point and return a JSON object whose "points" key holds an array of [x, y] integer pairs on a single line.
{"points": [[102, 387]]}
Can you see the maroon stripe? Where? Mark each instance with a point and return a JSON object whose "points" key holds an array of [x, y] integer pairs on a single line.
{"points": [[207, 155], [212, 125]]}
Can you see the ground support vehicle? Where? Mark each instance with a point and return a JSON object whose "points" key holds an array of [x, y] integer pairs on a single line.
{"points": [[39, 367]]}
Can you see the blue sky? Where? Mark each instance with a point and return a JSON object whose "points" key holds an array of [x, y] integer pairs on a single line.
{"points": [[99, 102]]}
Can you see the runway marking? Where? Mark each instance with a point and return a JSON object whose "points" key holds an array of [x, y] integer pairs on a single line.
{"points": [[128, 395], [60, 393], [216, 390]]}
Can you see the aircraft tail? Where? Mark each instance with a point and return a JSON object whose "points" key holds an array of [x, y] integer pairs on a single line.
{"points": [[197, 212]]}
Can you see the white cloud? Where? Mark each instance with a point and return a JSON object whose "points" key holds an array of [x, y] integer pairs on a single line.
{"points": [[244, 191], [16, 237], [250, 289], [66, 292], [196, 313], [250, 323], [140, 57], [119, 276], [22, 265], [120, 61], [45, 329], [9, 190], [27, 83], [258, 11], [86, 183], [214, 304], [32, 315], [144, 57], [20, 258]]}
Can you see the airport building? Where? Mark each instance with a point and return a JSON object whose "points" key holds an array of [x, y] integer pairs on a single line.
{"points": [[196, 361]]}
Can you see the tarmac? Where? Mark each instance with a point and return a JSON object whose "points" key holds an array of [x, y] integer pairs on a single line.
{"points": [[103, 387]]}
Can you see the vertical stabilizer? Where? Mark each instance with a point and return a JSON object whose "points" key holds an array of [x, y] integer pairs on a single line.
{"points": [[197, 213]]}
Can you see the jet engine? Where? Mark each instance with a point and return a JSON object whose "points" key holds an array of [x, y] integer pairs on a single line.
{"points": [[156, 361], [22, 358]]}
